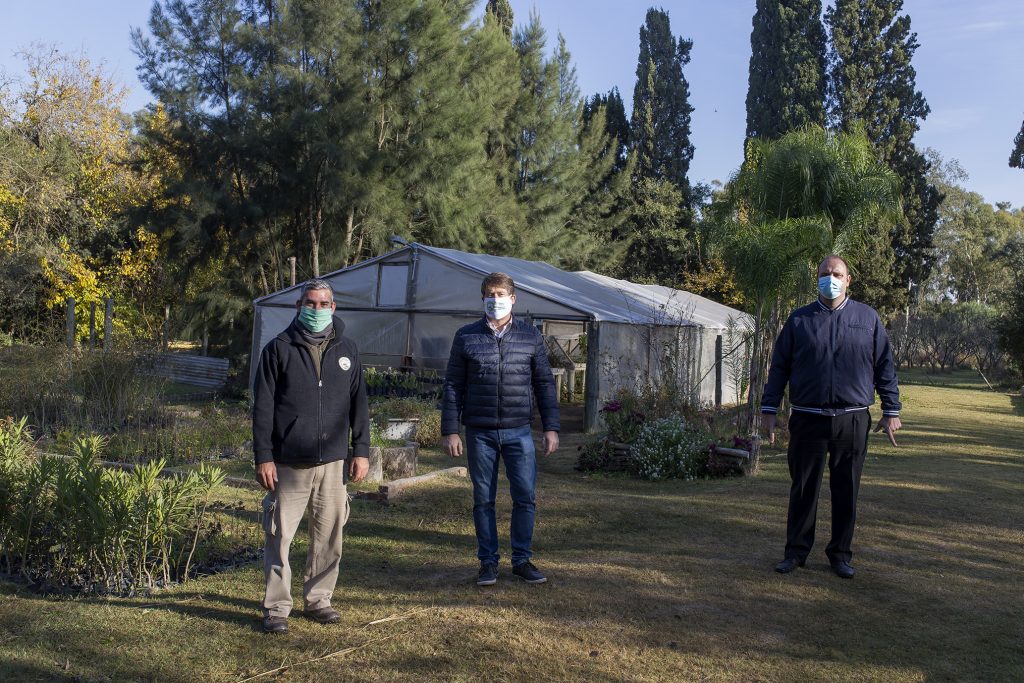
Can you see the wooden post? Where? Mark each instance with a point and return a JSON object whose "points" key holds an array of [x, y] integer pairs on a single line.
{"points": [[108, 324], [92, 325], [166, 332], [71, 323], [291, 263], [206, 337], [718, 371], [590, 388]]}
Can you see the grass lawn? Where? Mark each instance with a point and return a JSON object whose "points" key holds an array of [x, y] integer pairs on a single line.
{"points": [[664, 581]]}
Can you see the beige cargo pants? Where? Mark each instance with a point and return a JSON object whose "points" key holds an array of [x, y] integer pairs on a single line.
{"points": [[321, 489]]}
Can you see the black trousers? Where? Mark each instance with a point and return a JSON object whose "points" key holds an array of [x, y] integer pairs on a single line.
{"points": [[845, 439]]}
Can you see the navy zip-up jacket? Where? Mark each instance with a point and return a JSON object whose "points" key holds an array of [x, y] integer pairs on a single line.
{"points": [[302, 418], [491, 383], [833, 361]]}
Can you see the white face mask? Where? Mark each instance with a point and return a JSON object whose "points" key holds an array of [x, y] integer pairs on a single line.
{"points": [[497, 307]]}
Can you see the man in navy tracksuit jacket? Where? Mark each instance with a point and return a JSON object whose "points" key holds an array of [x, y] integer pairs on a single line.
{"points": [[498, 366], [834, 354]]}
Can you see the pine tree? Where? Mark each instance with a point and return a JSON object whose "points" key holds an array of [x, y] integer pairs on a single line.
{"points": [[787, 68], [317, 129], [501, 10], [555, 171], [1017, 155], [661, 104], [872, 86], [432, 81]]}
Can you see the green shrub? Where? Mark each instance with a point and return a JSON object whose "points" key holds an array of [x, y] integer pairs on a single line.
{"points": [[629, 409], [69, 523], [378, 440], [670, 448], [428, 431], [595, 456], [623, 417]]}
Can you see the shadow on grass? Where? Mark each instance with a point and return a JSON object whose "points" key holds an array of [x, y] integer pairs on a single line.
{"points": [[1017, 401]]}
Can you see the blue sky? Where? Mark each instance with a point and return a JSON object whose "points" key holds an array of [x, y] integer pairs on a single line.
{"points": [[968, 67]]}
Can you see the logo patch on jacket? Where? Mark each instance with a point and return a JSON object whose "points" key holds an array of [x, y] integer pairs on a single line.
{"points": [[344, 363]]}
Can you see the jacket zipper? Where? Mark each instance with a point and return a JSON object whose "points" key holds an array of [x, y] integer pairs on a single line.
{"points": [[320, 407], [320, 402], [500, 372], [832, 360]]}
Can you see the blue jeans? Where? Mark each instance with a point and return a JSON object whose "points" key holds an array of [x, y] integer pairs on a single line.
{"points": [[515, 447]]}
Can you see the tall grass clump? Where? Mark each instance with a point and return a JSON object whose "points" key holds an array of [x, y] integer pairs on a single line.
{"points": [[184, 436], [56, 388], [68, 523]]}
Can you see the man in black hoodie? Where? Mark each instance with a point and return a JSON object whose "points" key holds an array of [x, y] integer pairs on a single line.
{"points": [[311, 434]]}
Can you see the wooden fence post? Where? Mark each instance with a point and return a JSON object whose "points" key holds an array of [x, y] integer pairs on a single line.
{"points": [[108, 324], [71, 323], [166, 330], [718, 371], [291, 262], [92, 325]]}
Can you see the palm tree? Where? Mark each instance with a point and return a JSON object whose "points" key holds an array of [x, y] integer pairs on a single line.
{"points": [[795, 200]]}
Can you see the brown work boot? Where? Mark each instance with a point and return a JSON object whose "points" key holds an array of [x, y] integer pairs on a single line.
{"points": [[275, 624], [324, 615]]}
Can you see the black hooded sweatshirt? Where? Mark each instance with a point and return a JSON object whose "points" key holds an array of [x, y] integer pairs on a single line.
{"points": [[304, 414]]}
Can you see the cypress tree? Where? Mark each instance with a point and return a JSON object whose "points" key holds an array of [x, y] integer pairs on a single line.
{"points": [[1017, 155], [660, 198], [501, 10], [787, 68], [872, 86], [616, 125], [661, 104]]}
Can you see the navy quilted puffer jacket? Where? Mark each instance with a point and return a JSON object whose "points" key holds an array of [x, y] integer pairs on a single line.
{"points": [[491, 383]]}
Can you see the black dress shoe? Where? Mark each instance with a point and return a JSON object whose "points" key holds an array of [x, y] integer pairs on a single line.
{"points": [[788, 565], [275, 625], [842, 569]]}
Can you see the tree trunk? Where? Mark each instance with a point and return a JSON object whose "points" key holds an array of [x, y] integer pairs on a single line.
{"points": [[314, 239]]}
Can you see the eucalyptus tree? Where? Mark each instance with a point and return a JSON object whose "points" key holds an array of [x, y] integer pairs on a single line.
{"points": [[794, 201], [970, 240]]}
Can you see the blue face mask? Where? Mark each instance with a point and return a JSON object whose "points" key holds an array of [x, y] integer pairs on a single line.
{"points": [[315, 320], [830, 287]]}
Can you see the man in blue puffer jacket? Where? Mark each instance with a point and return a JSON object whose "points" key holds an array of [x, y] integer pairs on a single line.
{"points": [[497, 368]]}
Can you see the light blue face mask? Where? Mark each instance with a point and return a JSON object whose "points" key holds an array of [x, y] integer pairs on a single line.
{"points": [[315, 320], [830, 287]]}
